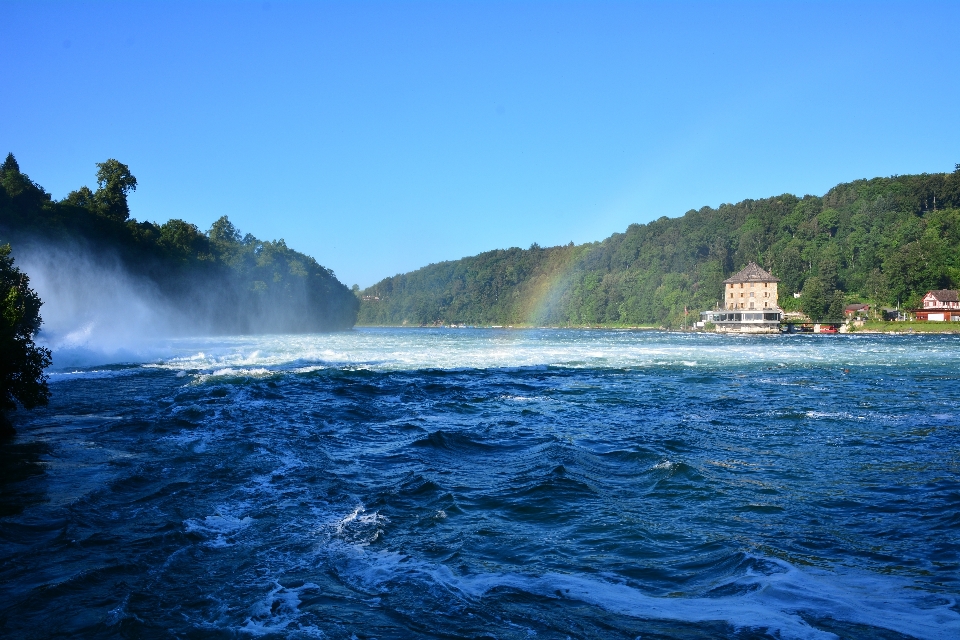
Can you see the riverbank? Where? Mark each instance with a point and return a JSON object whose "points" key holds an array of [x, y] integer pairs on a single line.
{"points": [[893, 328], [877, 326], [518, 326]]}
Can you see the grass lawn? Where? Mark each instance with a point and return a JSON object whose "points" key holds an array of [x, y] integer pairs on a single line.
{"points": [[874, 326]]}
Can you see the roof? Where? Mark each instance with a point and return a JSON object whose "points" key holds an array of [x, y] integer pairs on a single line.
{"points": [[856, 307], [751, 273], [944, 295]]}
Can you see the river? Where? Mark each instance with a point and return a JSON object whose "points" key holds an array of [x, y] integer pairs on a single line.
{"points": [[393, 483]]}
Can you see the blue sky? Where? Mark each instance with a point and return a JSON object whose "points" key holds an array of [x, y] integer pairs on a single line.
{"points": [[380, 137]]}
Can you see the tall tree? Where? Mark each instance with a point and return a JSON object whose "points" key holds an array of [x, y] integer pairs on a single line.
{"points": [[114, 182]]}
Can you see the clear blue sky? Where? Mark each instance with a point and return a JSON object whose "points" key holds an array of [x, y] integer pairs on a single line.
{"points": [[380, 137]]}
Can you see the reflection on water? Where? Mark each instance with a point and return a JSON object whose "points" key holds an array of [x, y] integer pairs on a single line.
{"points": [[22, 468]]}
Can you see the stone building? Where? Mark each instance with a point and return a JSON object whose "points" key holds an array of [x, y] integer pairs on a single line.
{"points": [[749, 303], [750, 288]]}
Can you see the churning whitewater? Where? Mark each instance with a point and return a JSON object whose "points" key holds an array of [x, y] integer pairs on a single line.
{"points": [[393, 483]]}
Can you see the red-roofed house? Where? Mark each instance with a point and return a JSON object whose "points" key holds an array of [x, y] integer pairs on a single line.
{"points": [[941, 305], [857, 309]]}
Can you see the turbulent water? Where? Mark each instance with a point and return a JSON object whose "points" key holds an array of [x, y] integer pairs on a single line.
{"points": [[490, 483]]}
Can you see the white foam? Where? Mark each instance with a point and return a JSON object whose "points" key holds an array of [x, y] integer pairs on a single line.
{"points": [[231, 372], [279, 612], [218, 529], [415, 349], [91, 374], [359, 527]]}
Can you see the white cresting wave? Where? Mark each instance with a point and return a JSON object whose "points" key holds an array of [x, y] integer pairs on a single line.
{"points": [[775, 602], [418, 349], [778, 601]]}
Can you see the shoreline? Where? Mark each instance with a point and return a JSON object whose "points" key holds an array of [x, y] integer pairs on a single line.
{"points": [[519, 326], [910, 329]]}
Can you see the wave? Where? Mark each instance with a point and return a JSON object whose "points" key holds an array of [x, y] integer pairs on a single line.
{"points": [[521, 350], [451, 441], [770, 595], [756, 592]]}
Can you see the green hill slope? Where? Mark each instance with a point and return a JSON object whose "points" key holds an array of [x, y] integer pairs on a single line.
{"points": [[221, 281], [882, 240]]}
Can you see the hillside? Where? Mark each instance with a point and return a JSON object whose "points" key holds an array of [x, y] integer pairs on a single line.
{"points": [[885, 240], [218, 281]]}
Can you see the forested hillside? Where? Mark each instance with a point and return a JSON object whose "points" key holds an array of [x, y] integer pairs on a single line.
{"points": [[885, 240], [223, 282]]}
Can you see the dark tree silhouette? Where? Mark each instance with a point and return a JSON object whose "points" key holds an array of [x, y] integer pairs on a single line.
{"points": [[22, 381]]}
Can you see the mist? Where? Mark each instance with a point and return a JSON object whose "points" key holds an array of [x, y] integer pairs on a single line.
{"points": [[94, 310]]}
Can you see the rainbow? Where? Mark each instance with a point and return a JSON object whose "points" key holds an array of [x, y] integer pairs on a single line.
{"points": [[542, 295]]}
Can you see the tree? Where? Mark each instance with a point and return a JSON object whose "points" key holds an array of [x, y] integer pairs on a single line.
{"points": [[828, 265], [22, 381], [224, 231], [838, 303], [182, 239], [114, 182], [791, 270], [11, 179], [17, 185], [814, 300], [82, 197]]}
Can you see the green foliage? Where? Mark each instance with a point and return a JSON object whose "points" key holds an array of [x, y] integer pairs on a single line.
{"points": [[231, 283], [22, 381], [114, 181], [879, 241], [813, 300]]}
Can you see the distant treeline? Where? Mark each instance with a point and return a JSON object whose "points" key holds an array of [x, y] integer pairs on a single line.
{"points": [[885, 241], [223, 281]]}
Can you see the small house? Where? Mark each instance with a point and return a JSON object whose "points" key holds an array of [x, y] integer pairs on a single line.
{"points": [[941, 299], [941, 305], [856, 310]]}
